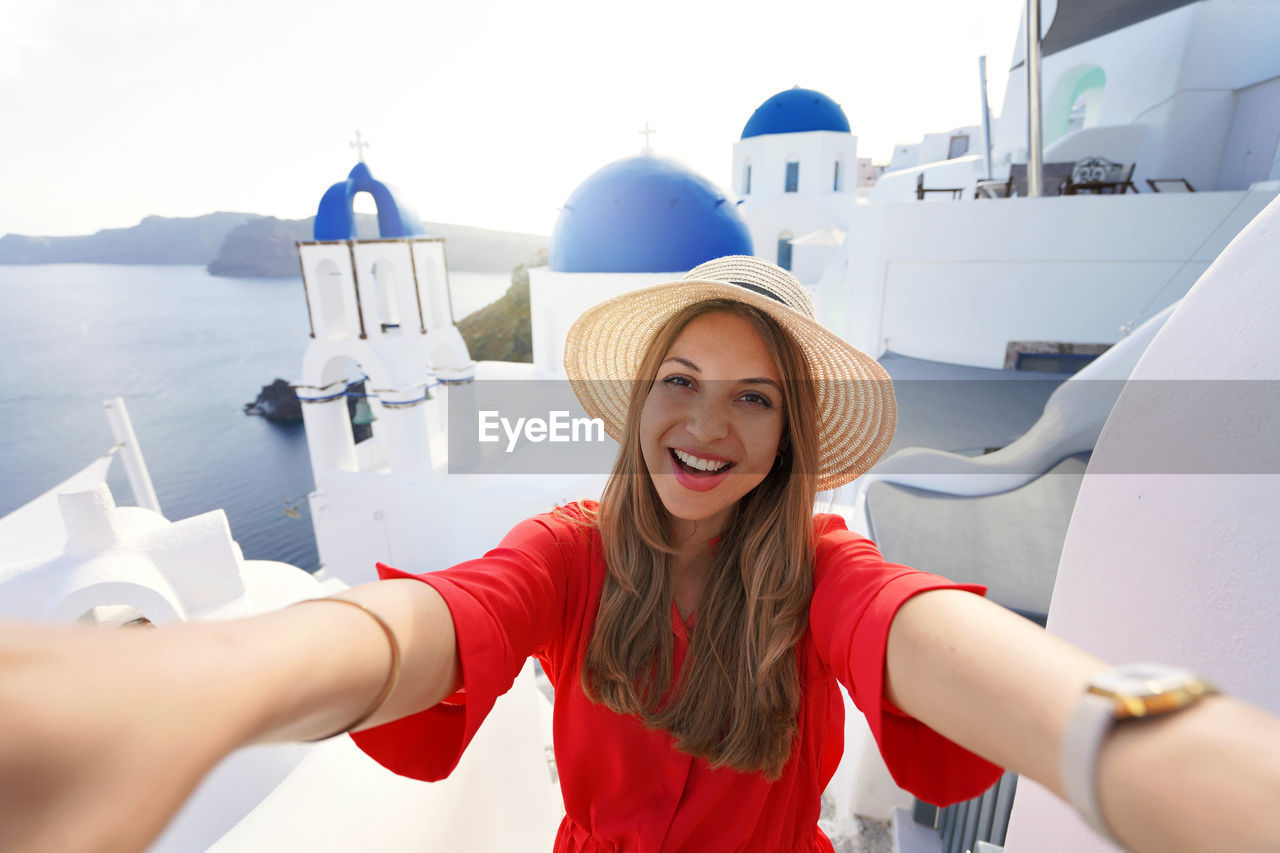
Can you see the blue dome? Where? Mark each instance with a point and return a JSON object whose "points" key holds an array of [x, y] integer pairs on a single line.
{"points": [[646, 214], [796, 111], [336, 220]]}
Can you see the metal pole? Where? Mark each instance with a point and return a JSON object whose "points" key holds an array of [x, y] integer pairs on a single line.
{"points": [[134, 465], [1035, 167], [986, 119]]}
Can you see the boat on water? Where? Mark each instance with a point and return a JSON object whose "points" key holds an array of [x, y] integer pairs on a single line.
{"points": [[945, 269]]}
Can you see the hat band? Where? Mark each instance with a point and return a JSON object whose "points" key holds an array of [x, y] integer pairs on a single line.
{"points": [[755, 288]]}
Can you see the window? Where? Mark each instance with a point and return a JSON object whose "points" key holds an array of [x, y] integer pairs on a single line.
{"points": [[384, 280], [1074, 103], [328, 282], [1061, 363], [793, 176], [1075, 119], [784, 250], [746, 184], [959, 147], [1060, 357], [836, 183]]}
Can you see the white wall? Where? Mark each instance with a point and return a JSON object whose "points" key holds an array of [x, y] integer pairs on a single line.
{"points": [[1120, 143], [556, 299], [955, 282], [432, 523], [816, 152], [1232, 45], [797, 216], [1173, 546], [900, 185]]}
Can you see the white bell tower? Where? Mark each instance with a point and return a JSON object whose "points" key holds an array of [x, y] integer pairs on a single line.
{"points": [[379, 310]]}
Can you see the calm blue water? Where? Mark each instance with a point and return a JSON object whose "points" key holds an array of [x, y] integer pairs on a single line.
{"points": [[186, 351]]}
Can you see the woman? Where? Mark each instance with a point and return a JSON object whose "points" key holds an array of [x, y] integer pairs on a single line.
{"points": [[695, 623]]}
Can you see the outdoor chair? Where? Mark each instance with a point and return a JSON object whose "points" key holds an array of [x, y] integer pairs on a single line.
{"points": [[1100, 176], [1054, 178], [921, 190], [1176, 185]]}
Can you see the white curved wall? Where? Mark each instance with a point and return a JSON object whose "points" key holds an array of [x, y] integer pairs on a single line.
{"points": [[1173, 546]]}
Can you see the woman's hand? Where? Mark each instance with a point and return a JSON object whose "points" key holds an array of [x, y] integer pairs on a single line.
{"points": [[1206, 778], [105, 732]]}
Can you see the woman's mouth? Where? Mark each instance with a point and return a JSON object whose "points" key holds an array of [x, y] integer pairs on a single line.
{"points": [[697, 472]]}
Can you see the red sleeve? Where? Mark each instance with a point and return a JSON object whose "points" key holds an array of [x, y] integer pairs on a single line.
{"points": [[505, 606], [856, 595]]}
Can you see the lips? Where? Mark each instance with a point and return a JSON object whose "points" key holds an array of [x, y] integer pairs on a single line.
{"points": [[693, 478]]}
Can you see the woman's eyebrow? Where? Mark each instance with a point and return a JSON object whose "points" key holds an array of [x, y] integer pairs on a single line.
{"points": [[686, 362], [754, 380]]}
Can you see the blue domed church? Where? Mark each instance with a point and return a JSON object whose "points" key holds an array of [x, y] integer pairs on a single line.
{"points": [[795, 169], [646, 214], [637, 221]]}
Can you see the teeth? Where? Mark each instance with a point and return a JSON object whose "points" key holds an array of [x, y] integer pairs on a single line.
{"points": [[698, 462]]}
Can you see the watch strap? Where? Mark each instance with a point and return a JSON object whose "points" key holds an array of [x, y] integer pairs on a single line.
{"points": [[1091, 721]]}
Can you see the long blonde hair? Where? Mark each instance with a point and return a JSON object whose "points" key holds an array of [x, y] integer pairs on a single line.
{"points": [[736, 700]]}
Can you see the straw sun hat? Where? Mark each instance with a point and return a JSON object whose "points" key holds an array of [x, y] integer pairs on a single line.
{"points": [[856, 409]]}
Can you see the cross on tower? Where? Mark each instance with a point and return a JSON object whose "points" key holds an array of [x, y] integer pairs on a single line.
{"points": [[646, 133], [359, 145]]}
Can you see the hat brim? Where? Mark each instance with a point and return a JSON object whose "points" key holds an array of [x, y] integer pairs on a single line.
{"points": [[856, 409]]}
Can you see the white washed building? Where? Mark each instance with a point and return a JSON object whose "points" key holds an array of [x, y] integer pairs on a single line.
{"points": [[796, 170]]}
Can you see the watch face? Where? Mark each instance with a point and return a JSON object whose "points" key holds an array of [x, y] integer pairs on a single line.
{"points": [[1144, 689]]}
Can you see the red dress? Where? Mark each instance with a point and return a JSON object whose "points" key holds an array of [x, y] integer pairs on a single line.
{"points": [[626, 788]]}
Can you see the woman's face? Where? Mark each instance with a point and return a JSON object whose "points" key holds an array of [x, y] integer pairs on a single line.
{"points": [[712, 421]]}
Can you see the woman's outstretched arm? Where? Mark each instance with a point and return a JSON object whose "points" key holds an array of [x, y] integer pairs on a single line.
{"points": [[1205, 778], [104, 733]]}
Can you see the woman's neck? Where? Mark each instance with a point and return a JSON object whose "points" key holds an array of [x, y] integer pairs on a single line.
{"points": [[691, 563], [687, 578]]}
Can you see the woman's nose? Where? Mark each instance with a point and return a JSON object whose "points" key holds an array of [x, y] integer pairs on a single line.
{"points": [[707, 421]]}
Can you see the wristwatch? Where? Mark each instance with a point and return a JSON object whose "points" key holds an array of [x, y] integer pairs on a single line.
{"points": [[1132, 691]]}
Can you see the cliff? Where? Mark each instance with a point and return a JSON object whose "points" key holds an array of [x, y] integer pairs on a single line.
{"points": [[502, 331], [154, 240], [261, 247]]}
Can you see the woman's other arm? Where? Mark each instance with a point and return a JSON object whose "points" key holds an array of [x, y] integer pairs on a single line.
{"points": [[104, 733], [1200, 779]]}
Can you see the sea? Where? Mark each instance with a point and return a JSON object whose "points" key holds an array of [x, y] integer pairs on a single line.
{"points": [[186, 351]]}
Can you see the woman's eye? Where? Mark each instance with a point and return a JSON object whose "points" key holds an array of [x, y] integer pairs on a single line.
{"points": [[758, 399], [678, 381]]}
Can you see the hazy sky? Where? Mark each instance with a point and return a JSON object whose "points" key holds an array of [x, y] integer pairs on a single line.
{"points": [[483, 112]]}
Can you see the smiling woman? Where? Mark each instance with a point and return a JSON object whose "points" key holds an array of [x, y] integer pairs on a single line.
{"points": [[697, 624], [726, 450]]}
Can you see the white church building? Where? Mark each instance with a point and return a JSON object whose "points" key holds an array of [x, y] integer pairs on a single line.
{"points": [[796, 170]]}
